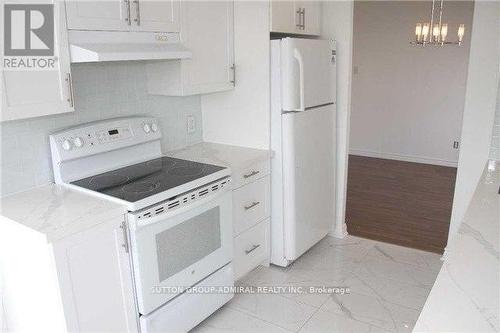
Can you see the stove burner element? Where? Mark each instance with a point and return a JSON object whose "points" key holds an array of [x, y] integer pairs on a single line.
{"points": [[141, 187], [106, 181], [186, 171]]}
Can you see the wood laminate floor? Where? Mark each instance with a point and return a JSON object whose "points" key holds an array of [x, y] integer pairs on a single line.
{"points": [[403, 203]]}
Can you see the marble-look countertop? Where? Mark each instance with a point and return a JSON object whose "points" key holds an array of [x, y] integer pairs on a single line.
{"points": [[465, 296], [57, 211], [235, 157]]}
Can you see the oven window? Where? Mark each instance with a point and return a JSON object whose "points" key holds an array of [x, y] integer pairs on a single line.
{"points": [[188, 242]]}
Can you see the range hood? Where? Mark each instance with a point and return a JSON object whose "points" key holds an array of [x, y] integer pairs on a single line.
{"points": [[95, 46]]}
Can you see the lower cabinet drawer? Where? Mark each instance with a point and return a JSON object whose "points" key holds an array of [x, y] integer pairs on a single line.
{"points": [[249, 174], [251, 248], [184, 312], [251, 204]]}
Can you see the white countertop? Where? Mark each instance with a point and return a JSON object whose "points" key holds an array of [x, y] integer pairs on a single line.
{"points": [[58, 211], [234, 157], [465, 296]]}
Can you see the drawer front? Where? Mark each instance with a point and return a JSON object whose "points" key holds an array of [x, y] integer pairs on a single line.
{"points": [[247, 175], [167, 318], [251, 204], [251, 248]]}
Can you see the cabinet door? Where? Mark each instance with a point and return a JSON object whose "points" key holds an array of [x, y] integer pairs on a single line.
{"points": [[296, 17], [207, 31], [96, 281], [155, 15], [98, 15], [284, 16], [311, 17], [32, 92]]}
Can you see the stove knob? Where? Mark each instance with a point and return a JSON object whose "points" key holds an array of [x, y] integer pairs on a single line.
{"points": [[78, 142], [66, 145], [146, 128], [154, 127]]}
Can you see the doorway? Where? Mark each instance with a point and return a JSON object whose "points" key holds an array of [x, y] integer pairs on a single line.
{"points": [[406, 115]]}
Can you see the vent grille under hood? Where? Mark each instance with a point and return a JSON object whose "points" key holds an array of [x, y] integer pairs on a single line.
{"points": [[94, 46]]}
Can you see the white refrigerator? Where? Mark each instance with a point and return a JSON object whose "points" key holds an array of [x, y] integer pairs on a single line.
{"points": [[303, 96]]}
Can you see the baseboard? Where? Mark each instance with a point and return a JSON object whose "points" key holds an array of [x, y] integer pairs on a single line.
{"points": [[339, 235], [405, 158], [339, 231]]}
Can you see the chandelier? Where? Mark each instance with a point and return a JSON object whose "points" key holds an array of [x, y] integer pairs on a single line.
{"points": [[435, 31]]}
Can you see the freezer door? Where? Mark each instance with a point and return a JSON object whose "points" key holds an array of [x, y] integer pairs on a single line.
{"points": [[307, 73], [308, 178]]}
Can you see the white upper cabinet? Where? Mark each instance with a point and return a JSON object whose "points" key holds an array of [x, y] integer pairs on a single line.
{"points": [[43, 91], [284, 16], [155, 16], [296, 17], [207, 31], [124, 15], [311, 17], [98, 15]]}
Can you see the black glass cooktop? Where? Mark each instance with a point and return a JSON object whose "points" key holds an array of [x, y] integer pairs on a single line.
{"points": [[138, 181]]}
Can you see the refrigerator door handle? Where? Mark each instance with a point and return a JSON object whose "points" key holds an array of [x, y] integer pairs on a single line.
{"points": [[300, 61]]}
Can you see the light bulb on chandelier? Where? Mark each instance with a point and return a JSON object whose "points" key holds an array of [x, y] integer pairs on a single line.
{"points": [[436, 33]]}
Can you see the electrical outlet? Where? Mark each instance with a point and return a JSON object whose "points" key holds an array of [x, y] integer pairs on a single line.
{"points": [[191, 124], [456, 145]]}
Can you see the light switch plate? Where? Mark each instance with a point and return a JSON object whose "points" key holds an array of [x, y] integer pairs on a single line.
{"points": [[191, 124]]}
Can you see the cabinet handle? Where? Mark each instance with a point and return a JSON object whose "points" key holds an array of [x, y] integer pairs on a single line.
{"points": [[123, 226], [255, 203], [69, 82], [137, 12], [255, 247], [303, 19], [299, 13], [127, 5], [251, 174], [233, 68]]}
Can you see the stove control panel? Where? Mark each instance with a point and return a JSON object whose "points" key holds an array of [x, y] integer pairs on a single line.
{"points": [[112, 134], [103, 136]]}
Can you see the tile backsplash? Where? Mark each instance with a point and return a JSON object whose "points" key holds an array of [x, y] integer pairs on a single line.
{"points": [[102, 90]]}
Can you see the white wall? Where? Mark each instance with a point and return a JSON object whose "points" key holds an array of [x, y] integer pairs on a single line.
{"points": [[336, 24], [407, 101], [241, 117], [480, 101]]}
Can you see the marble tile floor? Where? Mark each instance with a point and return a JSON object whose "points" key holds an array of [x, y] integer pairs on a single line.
{"points": [[388, 286]]}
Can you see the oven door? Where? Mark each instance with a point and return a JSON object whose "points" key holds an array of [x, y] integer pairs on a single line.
{"points": [[180, 248]]}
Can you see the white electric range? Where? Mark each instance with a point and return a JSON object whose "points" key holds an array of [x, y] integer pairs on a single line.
{"points": [[179, 214]]}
